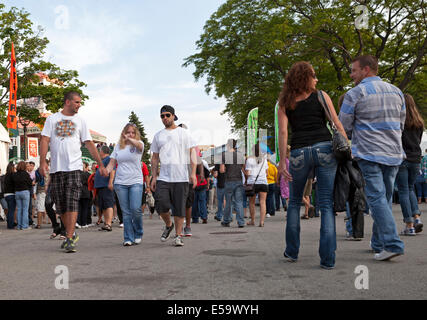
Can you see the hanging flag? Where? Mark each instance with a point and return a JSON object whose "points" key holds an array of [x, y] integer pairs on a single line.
{"points": [[276, 125], [11, 116], [252, 131]]}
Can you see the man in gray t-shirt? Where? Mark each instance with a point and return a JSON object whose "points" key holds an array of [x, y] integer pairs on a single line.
{"points": [[234, 191]]}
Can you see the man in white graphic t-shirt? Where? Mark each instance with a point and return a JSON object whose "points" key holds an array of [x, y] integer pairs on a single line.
{"points": [[65, 131], [173, 148]]}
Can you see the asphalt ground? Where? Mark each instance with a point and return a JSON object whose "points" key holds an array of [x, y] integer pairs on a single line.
{"points": [[216, 263]]}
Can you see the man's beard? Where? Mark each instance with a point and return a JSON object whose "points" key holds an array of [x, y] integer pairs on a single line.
{"points": [[168, 124]]}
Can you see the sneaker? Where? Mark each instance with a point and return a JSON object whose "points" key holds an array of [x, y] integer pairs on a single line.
{"points": [[78, 226], [326, 267], [127, 244], [289, 258], [386, 255], [268, 215], [166, 233], [418, 225], [187, 232], [121, 225], [178, 241], [349, 237], [408, 232], [75, 238], [138, 241], [225, 224], [69, 246], [217, 219]]}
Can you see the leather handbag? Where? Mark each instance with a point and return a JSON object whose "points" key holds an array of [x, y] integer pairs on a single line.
{"points": [[340, 145]]}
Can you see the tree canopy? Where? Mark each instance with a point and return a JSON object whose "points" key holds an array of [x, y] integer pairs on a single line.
{"points": [[30, 46], [248, 46]]}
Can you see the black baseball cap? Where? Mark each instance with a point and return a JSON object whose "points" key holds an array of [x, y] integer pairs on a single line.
{"points": [[168, 109]]}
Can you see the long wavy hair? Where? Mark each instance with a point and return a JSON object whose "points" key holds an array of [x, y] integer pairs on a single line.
{"points": [[413, 116], [297, 82], [122, 143]]}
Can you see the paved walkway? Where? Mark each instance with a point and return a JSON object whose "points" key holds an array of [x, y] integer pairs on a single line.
{"points": [[216, 263]]}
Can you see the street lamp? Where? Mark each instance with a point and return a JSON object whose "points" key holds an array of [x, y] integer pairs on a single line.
{"points": [[24, 122]]}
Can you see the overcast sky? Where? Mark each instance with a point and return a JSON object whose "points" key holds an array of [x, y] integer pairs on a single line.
{"points": [[130, 53]]}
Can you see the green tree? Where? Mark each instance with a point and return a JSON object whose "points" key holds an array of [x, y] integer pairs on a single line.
{"points": [[30, 46], [248, 46], [133, 118]]}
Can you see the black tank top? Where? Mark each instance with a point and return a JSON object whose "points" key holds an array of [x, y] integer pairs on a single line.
{"points": [[308, 123]]}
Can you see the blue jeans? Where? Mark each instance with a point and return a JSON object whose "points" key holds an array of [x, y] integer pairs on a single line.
{"points": [[270, 202], [302, 161], [421, 186], [22, 204], [379, 181], [220, 194], [277, 196], [130, 198], [199, 206], [348, 225], [11, 206], [234, 194], [405, 179]]}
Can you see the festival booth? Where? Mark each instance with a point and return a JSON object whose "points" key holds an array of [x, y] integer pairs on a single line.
{"points": [[4, 149]]}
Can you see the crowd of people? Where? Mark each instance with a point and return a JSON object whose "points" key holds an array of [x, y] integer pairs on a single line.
{"points": [[383, 124]]}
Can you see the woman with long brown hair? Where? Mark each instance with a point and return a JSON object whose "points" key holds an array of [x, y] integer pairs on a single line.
{"points": [[311, 149], [410, 167]]}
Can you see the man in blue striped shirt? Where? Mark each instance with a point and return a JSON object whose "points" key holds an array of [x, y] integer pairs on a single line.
{"points": [[373, 115]]}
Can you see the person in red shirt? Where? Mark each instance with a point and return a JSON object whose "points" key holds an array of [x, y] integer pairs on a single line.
{"points": [[146, 175]]}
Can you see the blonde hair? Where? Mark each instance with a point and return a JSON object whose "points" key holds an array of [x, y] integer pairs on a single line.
{"points": [[122, 143]]}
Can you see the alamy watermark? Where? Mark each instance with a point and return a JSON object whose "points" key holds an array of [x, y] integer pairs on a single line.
{"points": [[63, 279], [62, 21], [362, 21], [362, 280]]}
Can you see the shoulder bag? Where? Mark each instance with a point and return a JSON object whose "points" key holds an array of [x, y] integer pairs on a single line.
{"points": [[340, 144]]}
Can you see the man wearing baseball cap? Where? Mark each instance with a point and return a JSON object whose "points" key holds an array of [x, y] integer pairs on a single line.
{"points": [[173, 148]]}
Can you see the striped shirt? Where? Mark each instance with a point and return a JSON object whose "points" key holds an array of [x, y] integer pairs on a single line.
{"points": [[373, 115]]}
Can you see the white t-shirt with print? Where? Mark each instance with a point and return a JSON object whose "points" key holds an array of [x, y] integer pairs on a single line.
{"points": [[254, 167], [66, 133], [129, 166], [173, 147]]}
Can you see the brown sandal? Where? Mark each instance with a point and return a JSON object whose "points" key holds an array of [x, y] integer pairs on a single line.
{"points": [[107, 227], [250, 223]]}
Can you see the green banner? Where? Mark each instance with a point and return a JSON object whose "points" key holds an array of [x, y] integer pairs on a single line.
{"points": [[276, 125], [252, 132]]}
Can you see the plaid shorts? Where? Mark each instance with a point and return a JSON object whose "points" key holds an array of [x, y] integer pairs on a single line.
{"points": [[66, 188]]}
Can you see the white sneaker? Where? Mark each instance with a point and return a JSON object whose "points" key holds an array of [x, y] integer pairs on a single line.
{"points": [[138, 241], [178, 241], [121, 225], [78, 226], [268, 215], [127, 243], [386, 255]]}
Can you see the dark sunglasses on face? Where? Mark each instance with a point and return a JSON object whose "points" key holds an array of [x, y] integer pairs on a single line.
{"points": [[168, 115]]}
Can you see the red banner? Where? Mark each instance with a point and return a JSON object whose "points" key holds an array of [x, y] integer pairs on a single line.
{"points": [[33, 148], [11, 116]]}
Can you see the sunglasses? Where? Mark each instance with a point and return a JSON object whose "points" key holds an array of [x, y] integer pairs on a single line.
{"points": [[167, 115]]}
